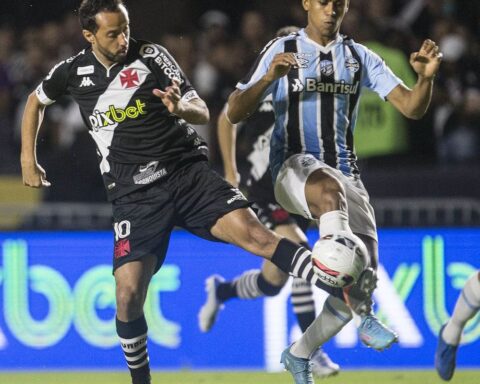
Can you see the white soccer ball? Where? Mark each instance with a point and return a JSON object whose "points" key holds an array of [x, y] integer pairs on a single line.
{"points": [[339, 259]]}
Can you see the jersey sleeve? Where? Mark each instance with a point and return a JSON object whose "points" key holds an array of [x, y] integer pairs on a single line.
{"points": [[165, 68], [54, 85], [378, 76], [261, 65]]}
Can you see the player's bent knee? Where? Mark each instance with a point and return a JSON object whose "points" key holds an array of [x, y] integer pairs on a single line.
{"points": [[324, 193]]}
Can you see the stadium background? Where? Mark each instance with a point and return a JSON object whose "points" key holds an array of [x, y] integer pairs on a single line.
{"points": [[56, 302]]}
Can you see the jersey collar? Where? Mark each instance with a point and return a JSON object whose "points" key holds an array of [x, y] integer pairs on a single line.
{"points": [[322, 48], [103, 65]]}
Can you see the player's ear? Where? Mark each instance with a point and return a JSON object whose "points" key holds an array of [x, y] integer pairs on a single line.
{"points": [[306, 5], [88, 35]]}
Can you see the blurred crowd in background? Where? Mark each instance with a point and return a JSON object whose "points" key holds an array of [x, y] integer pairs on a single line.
{"points": [[216, 43]]}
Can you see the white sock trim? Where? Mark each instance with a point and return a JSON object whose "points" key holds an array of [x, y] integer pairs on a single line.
{"points": [[134, 344], [131, 359], [136, 366], [333, 222]]}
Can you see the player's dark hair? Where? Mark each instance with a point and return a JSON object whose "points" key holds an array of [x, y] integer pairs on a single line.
{"points": [[89, 8], [285, 31]]}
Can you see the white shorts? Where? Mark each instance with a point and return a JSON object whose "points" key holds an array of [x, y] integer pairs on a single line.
{"points": [[290, 192]]}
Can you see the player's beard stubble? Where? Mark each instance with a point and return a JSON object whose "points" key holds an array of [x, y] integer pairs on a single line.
{"points": [[113, 57]]}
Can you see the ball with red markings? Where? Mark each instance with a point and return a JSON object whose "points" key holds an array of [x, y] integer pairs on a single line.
{"points": [[338, 259]]}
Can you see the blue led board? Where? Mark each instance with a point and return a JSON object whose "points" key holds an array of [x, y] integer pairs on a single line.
{"points": [[57, 304]]}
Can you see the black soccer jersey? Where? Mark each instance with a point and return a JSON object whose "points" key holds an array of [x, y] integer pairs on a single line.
{"points": [[138, 140], [255, 133]]}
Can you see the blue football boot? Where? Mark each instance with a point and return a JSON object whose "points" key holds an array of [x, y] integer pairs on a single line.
{"points": [[445, 357], [373, 333]]}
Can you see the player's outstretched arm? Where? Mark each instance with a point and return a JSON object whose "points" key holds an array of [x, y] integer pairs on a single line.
{"points": [[193, 111], [32, 173], [227, 138], [413, 103], [242, 103]]}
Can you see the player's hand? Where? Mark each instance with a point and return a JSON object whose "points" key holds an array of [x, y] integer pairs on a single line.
{"points": [[171, 97], [281, 64], [426, 61], [34, 176]]}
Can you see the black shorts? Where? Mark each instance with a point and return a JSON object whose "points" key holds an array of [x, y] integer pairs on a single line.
{"points": [[193, 197]]}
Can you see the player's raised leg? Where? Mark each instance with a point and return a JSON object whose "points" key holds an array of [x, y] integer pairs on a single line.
{"points": [[466, 307], [325, 198], [241, 227], [332, 198]]}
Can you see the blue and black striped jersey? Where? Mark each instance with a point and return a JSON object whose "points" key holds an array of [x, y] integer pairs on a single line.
{"points": [[316, 103]]}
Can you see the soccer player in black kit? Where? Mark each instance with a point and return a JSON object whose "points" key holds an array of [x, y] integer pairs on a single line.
{"points": [[138, 106]]}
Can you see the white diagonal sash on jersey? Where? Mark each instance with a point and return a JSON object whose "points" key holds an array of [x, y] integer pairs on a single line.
{"points": [[260, 155], [118, 96]]}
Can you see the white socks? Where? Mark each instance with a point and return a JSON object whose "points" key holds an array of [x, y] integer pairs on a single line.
{"points": [[335, 313], [334, 222], [329, 322], [467, 305]]}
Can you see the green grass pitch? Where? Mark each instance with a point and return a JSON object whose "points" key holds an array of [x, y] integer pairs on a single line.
{"points": [[189, 377]]}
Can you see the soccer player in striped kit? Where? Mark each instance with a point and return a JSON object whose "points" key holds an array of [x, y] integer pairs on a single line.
{"points": [[268, 280], [315, 78], [257, 180]]}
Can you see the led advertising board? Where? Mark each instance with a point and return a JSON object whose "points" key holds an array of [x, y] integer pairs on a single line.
{"points": [[57, 304]]}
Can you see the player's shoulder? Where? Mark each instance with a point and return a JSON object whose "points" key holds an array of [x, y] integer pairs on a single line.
{"points": [[361, 49], [147, 50], [73, 63], [157, 58], [350, 42], [368, 57], [278, 43]]}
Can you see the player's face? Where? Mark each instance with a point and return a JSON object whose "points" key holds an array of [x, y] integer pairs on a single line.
{"points": [[111, 38], [325, 17]]}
